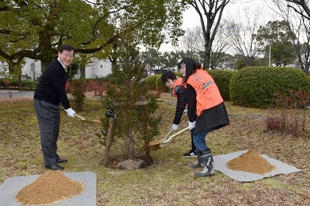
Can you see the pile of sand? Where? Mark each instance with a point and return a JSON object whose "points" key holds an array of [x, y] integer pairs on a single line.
{"points": [[50, 187], [251, 161]]}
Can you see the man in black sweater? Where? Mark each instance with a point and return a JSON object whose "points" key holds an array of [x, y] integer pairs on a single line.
{"points": [[178, 90], [49, 93]]}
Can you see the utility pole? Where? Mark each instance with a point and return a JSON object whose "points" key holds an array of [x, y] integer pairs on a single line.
{"points": [[270, 54]]}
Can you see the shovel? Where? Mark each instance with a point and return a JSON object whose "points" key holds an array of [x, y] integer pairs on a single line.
{"points": [[167, 139], [83, 119]]}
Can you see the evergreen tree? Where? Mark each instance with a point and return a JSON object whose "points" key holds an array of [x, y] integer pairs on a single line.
{"points": [[136, 122]]}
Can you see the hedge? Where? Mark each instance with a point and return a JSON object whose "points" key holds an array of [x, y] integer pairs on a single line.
{"points": [[221, 77], [222, 80], [256, 86], [14, 83], [154, 83]]}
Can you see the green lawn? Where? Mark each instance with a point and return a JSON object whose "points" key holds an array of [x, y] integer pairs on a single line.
{"points": [[168, 181]]}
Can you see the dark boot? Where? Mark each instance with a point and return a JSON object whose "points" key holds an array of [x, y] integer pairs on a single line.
{"points": [[197, 163], [207, 161]]}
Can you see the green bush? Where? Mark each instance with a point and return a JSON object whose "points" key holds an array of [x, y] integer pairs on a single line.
{"points": [[77, 88], [178, 74], [154, 83], [14, 84], [29, 85], [222, 80], [256, 86]]}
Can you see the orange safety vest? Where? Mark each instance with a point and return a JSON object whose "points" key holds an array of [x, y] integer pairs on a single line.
{"points": [[178, 82], [207, 93]]}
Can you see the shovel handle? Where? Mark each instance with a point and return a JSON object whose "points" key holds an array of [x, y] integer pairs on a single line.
{"points": [[176, 134], [80, 117]]}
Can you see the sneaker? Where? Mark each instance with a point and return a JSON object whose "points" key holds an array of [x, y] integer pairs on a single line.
{"points": [[190, 154]]}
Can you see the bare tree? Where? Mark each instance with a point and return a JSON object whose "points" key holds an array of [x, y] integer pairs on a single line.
{"points": [[192, 40], [192, 44], [210, 13], [301, 7], [243, 40], [296, 13], [220, 44]]}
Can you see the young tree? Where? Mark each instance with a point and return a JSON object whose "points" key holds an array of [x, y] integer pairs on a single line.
{"points": [[135, 123]]}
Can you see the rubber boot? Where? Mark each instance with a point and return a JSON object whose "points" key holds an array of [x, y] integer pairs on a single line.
{"points": [[196, 164], [207, 161]]}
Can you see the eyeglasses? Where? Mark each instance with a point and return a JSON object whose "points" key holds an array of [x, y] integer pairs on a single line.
{"points": [[68, 55]]}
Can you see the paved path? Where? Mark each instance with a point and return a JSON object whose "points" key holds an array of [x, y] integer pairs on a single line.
{"points": [[15, 93]]}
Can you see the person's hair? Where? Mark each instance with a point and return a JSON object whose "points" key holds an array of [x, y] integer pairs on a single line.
{"points": [[168, 75], [66, 47], [191, 67]]}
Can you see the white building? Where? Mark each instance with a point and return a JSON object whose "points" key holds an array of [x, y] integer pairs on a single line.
{"points": [[32, 69], [97, 68]]}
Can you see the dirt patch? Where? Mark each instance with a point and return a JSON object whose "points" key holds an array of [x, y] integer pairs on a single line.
{"points": [[154, 143], [49, 188], [251, 161], [15, 99]]}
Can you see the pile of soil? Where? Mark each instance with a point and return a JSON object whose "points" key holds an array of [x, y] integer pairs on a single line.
{"points": [[49, 188], [251, 161]]}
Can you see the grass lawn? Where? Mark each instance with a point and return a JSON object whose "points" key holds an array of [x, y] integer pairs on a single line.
{"points": [[168, 181]]}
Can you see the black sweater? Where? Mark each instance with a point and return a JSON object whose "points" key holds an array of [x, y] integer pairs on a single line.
{"points": [[51, 87], [180, 91]]}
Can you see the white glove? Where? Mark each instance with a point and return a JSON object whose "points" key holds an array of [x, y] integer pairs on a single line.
{"points": [[70, 112], [191, 125], [174, 127]]}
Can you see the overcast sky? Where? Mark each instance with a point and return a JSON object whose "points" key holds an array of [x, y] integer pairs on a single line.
{"points": [[235, 11]]}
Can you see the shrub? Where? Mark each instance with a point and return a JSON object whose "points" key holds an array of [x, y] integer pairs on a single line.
{"points": [[256, 86], [4, 83], [222, 80], [289, 113], [77, 88], [150, 81], [14, 83], [29, 85], [154, 83]]}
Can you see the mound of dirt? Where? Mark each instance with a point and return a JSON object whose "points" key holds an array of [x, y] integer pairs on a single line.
{"points": [[251, 161], [49, 188]]}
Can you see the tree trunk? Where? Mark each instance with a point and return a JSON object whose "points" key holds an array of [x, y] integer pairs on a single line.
{"points": [[19, 82], [108, 142], [82, 71], [207, 56], [147, 149], [44, 64]]}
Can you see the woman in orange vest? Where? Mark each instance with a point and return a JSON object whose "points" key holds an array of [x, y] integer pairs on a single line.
{"points": [[179, 91], [206, 111]]}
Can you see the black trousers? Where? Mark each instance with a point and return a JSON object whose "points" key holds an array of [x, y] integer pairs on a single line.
{"points": [[192, 137], [49, 120]]}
